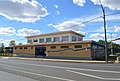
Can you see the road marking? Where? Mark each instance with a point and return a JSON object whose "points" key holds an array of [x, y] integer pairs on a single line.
{"points": [[93, 70], [93, 76], [84, 74], [105, 71], [58, 78]]}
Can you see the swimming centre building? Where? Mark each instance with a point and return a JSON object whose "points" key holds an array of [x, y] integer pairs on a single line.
{"points": [[60, 44]]}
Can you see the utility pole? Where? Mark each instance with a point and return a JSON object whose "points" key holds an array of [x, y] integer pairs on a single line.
{"points": [[111, 45], [105, 38]]}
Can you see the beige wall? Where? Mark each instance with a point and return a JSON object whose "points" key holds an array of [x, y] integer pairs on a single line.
{"points": [[69, 52], [58, 51], [24, 51]]}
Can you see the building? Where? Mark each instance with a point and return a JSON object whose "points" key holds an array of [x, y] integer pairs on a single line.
{"points": [[60, 44]]}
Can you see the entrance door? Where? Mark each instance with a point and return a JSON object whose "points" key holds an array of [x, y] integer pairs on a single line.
{"points": [[40, 51]]}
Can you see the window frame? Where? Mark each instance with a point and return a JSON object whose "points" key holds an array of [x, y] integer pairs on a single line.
{"points": [[64, 47], [78, 46], [42, 40], [74, 38], [53, 47], [65, 38], [49, 38], [56, 39], [35, 40]]}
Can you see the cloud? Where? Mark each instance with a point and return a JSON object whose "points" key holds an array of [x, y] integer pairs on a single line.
{"points": [[96, 35], [7, 41], [111, 4], [98, 18], [7, 31], [58, 13], [99, 36], [79, 2], [27, 32], [108, 29], [22, 10], [69, 25], [117, 28], [56, 6]]}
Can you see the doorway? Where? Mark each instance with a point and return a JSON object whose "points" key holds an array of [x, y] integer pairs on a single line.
{"points": [[40, 51]]}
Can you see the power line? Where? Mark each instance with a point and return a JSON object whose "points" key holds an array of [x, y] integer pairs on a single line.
{"points": [[112, 14], [100, 17], [92, 19]]}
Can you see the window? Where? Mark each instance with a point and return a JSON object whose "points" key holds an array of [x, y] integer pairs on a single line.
{"points": [[53, 47], [31, 47], [25, 47], [29, 41], [78, 46], [15, 47], [35, 40], [48, 39], [64, 46], [79, 39], [94, 46], [20, 47], [65, 38], [41, 40], [74, 38], [56, 39]]}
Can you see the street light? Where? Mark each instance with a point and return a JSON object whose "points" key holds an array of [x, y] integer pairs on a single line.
{"points": [[103, 10]]}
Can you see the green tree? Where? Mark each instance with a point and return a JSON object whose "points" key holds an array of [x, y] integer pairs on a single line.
{"points": [[111, 45], [12, 43], [1, 47]]}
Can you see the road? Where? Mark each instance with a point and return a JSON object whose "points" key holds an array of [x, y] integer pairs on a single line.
{"points": [[25, 70]]}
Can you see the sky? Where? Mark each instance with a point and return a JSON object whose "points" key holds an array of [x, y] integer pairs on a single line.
{"points": [[20, 18]]}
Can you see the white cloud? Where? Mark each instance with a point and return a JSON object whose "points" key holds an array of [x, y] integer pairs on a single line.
{"points": [[117, 28], [27, 32], [79, 2], [114, 17], [99, 36], [98, 18], [108, 29], [74, 25], [58, 13], [7, 31], [111, 4], [4, 41], [22, 10], [7, 41], [56, 6], [96, 36]]}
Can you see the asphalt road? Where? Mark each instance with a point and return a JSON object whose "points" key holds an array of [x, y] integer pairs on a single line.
{"points": [[24, 70]]}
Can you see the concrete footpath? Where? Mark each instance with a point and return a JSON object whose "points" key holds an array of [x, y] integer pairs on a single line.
{"points": [[57, 60]]}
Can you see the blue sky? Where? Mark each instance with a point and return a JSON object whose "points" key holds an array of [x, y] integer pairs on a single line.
{"points": [[20, 18]]}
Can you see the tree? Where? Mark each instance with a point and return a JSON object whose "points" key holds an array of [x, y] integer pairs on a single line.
{"points": [[114, 46], [12, 43], [20, 44], [101, 42], [1, 47]]}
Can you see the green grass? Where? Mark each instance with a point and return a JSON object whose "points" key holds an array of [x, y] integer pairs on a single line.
{"points": [[6, 54]]}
